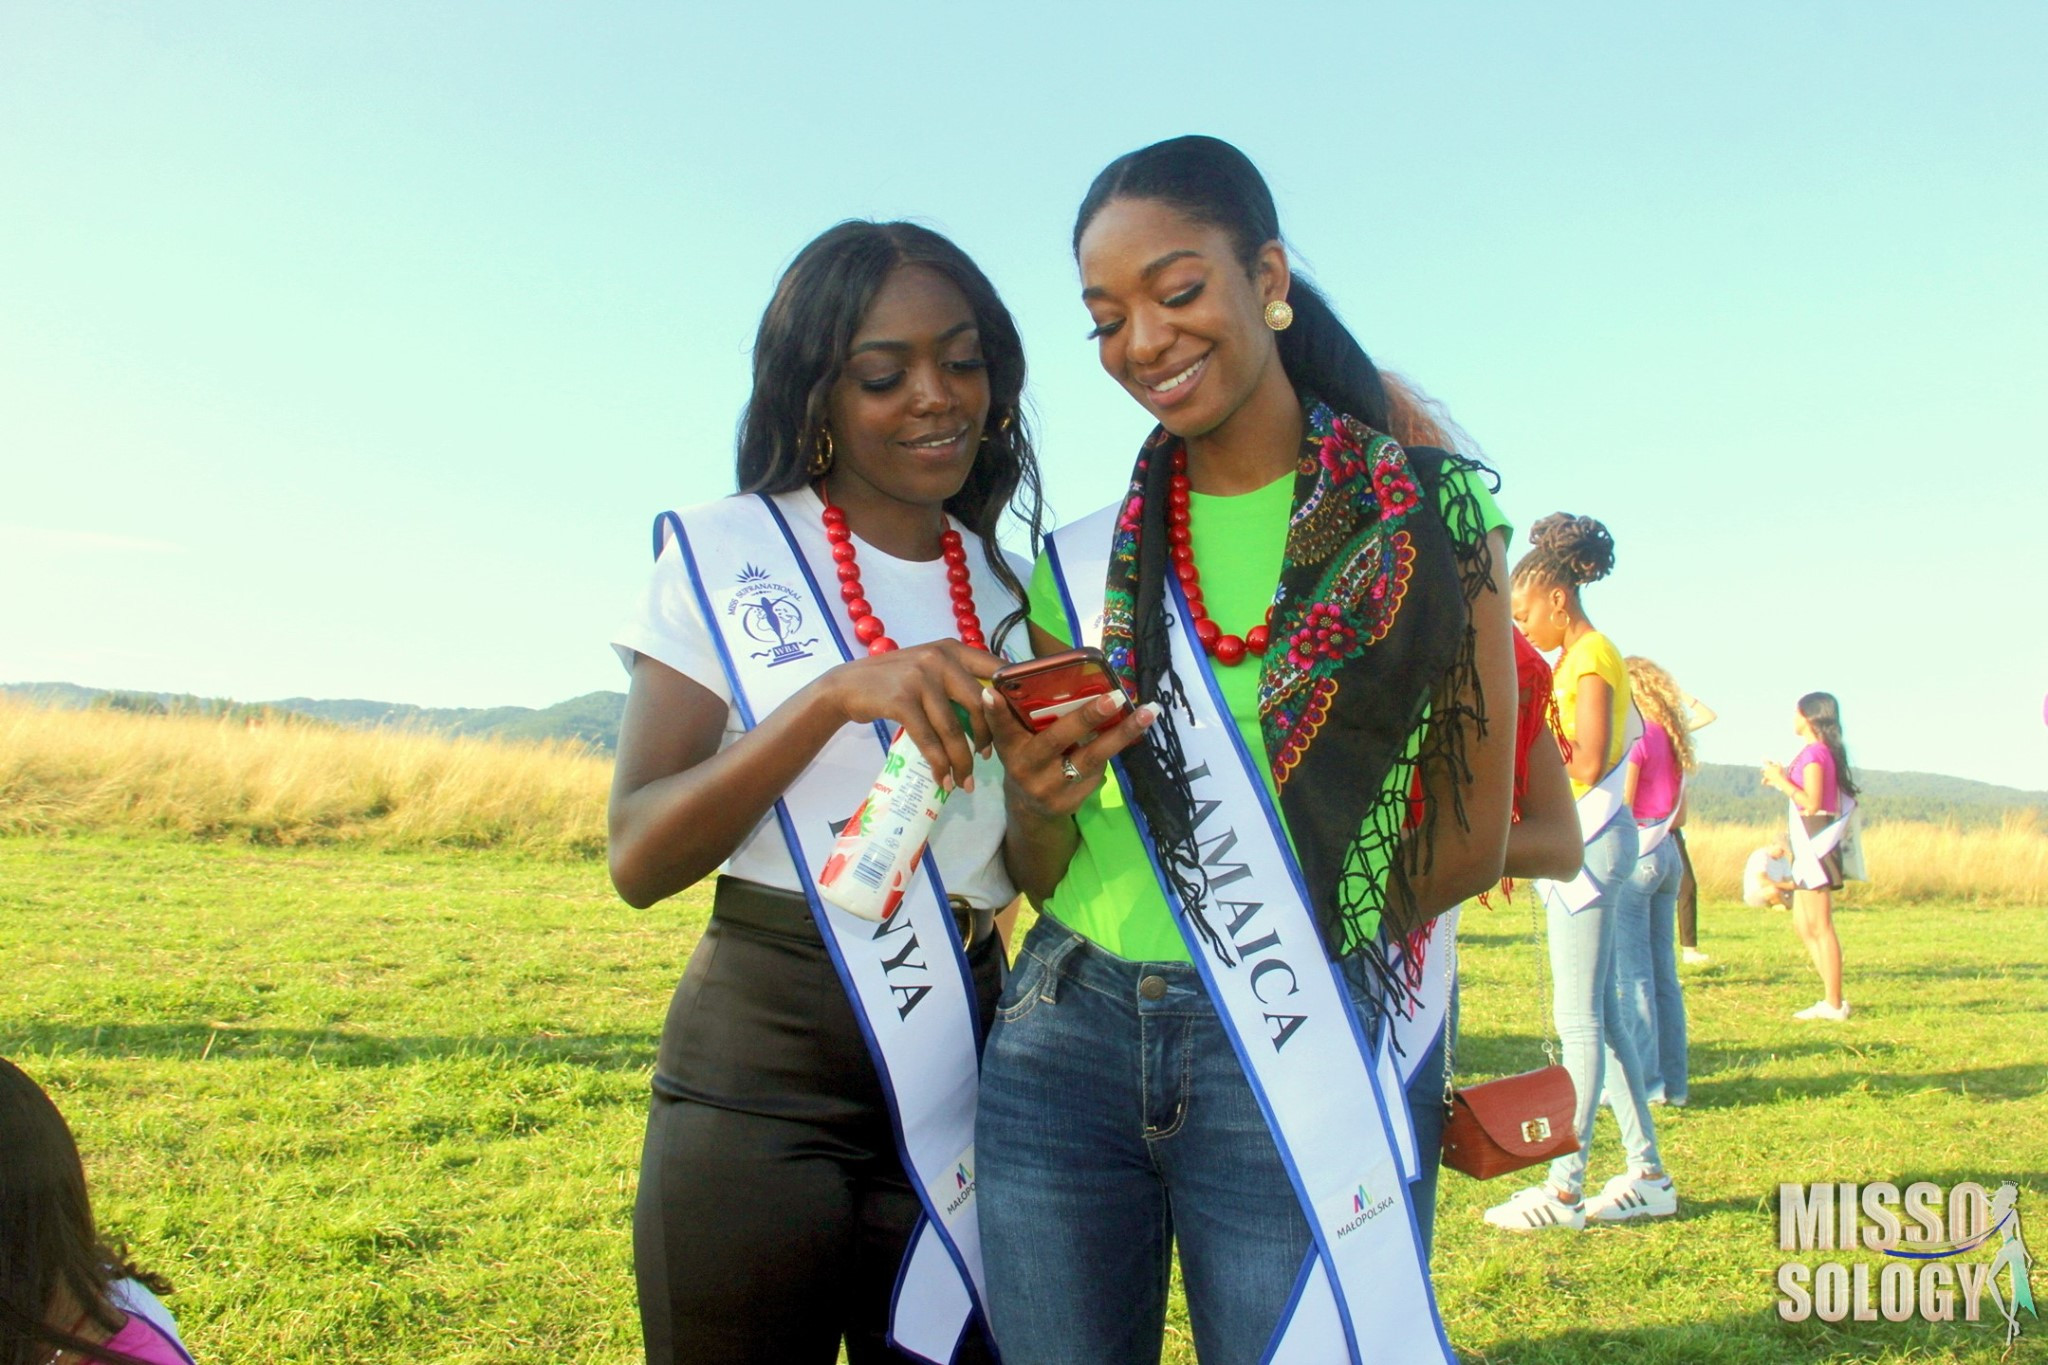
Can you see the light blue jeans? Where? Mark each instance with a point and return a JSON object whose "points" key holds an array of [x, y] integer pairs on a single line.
{"points": [[1583, 1000], [1651, 1003], [1115, 1121]]}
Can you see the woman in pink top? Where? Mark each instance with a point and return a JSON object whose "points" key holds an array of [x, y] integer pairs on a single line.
{"points": [[1815, 781], [1650, 1002], [61, 1287]]}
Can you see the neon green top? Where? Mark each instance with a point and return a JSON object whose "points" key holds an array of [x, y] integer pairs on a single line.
{"points": [[1109, 895]]}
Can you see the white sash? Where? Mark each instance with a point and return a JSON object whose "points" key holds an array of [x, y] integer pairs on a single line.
{"points": [[1809, 849], [1597, 809], [908, 978], [1364, 1285]]}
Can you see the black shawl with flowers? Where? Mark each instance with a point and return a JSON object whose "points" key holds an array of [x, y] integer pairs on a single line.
{"points": [[1370, 632]]}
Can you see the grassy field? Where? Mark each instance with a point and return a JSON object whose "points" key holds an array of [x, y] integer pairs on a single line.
{"points": [[385, 1104]]}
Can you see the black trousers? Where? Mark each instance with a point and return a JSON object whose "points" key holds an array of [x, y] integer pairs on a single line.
{"points": [[773, 1213]]}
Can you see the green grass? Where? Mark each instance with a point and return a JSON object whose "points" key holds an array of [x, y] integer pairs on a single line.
{"points": [[384, 1107]]}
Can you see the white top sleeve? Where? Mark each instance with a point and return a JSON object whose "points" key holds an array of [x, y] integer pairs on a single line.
{"points": [[667, 625]]}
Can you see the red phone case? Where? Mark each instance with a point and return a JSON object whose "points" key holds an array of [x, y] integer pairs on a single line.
{"points": [[1040, 691]]}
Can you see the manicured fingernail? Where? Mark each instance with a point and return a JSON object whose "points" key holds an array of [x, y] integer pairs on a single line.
{"points": [[1109, 704], [1150, 712], [988, 696]]}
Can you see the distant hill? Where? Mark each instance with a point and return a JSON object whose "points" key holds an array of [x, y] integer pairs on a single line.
{"points": [[1721, 793], [592, 719], [1727, 793]]}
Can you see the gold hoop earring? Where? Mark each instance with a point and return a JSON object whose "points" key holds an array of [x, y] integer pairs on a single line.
{"points": [[1279, 315], [1002, 427], [821, 452]]}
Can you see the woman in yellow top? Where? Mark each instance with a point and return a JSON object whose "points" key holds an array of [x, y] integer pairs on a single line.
{"points": [[1565, 554]]}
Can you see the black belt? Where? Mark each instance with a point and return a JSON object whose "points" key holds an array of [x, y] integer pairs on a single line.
{"points": [[772, 910]]}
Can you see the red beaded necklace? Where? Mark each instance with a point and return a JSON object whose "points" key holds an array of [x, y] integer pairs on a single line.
{"points": [[1228, 650], [868, 627]]}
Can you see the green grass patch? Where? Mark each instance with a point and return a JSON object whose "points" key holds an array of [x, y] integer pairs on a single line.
{"points": [[387, 1106]]}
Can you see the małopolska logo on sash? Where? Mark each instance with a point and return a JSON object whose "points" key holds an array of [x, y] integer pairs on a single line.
{"points": [[1961, 1245], [769, 614]]}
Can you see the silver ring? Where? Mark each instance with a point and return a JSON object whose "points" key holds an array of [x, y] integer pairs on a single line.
{"points": [[1067, 766]]}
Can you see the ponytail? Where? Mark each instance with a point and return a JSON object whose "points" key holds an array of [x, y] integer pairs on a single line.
{"points": [[1323, 358]]}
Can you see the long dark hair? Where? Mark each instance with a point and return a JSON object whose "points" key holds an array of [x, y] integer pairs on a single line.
{"points": [[1212, 182], [801, 347], [47, 1237], [1824, 714]]}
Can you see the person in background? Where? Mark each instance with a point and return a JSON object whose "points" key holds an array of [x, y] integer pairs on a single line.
{"points": [[1646, 956], [66, 1296], [1592, 690], [1767, 877], [1821, 791], [1699, 716]]}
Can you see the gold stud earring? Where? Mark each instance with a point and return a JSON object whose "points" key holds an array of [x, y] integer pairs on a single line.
{"points": [[821, 452], [1279, 315]]}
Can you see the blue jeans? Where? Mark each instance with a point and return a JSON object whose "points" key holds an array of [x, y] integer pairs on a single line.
{"points": [[1583, 999], [1651, 1005], [1115, 1122], [1426, 1113]]}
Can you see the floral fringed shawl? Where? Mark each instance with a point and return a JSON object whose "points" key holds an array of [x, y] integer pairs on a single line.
{"points": [[1371, 640]]}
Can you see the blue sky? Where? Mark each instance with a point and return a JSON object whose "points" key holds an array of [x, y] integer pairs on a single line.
{"points": [[349, 350]]}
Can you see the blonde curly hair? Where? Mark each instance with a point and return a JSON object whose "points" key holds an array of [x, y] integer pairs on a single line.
{"points": [[1658, 698]]}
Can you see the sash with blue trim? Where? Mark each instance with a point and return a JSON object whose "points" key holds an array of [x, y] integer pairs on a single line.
{"points": [[1364, 1285], [908, 979]]}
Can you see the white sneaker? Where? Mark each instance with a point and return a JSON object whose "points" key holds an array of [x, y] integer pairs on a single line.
{"points": [[1821, 1009], [1537, 1208], [1631, 1195], [1694, 957]]}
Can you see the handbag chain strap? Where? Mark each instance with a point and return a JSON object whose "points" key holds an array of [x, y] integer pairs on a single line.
{"points": [[1449, 955]]}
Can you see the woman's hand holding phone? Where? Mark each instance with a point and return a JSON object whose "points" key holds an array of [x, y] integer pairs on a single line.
{"points": [[1049, 774]]}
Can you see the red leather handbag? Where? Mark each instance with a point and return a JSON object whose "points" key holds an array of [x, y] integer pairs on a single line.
{"points": [[1515, 1122], [1512, 1123]]}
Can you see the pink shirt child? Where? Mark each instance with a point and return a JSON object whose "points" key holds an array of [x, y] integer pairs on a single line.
{"points": [[1658, 775]]}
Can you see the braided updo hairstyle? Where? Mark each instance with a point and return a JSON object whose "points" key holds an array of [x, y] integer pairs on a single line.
{"points": [[1566, 552]]}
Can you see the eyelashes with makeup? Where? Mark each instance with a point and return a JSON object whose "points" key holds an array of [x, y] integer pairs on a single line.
{"points": [[1180, 300], [956, 366]]}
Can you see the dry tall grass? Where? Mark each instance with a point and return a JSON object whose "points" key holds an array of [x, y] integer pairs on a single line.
{"points": [[293, 782], [296, 782], [1908, 861]]}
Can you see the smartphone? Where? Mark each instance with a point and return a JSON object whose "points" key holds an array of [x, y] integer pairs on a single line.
{"points": [[1040, 691]]}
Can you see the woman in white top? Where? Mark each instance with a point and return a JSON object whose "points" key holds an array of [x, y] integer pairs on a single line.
{"points": [[883, 440]]}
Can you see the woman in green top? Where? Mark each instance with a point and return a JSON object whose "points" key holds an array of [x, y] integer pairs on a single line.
{"points": [[1352, 602]]}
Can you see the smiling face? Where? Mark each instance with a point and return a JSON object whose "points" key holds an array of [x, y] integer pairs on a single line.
{"points": [[1539, 612], [1178, 319], [907, 410]]}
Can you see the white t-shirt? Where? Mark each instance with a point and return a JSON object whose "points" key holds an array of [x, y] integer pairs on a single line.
{"points": [[1759, 872], [914, 600]]}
